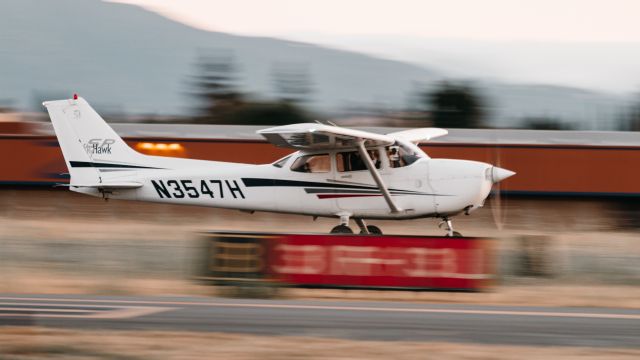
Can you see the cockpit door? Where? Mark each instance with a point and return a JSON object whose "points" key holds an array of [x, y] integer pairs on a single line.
{"points": [[358, 192], [312, 175]]}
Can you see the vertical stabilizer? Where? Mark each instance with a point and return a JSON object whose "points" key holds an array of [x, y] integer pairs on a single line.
{"points": [[88, 143]]}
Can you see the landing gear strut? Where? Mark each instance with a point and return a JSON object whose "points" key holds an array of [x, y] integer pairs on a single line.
{"points": [[343, 228], [367, 229], [450, 233]]}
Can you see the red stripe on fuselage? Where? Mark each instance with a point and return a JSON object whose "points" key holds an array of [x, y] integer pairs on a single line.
{"points": [[333, 196]]}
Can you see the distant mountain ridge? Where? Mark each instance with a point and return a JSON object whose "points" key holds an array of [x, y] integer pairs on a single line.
{"points": [[128, 60], [124, 55]]}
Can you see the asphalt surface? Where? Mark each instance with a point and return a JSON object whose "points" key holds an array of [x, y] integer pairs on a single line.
{"points": [[391, 321]]}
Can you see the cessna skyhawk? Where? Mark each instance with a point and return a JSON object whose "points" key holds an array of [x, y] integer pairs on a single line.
{"points": [[336, 172]]}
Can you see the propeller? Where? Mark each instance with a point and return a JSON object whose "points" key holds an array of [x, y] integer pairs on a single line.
{"points": [[497, 175]]}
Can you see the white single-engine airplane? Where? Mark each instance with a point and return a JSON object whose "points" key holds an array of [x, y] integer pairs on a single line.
{"points": [[336, 172]]}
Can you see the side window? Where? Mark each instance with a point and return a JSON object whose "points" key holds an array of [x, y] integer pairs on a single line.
{"points": [[317, 163], [352, 161], [400, 156]]}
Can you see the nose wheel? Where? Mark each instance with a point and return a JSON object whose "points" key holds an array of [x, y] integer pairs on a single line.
{"points": [[449, 227]]}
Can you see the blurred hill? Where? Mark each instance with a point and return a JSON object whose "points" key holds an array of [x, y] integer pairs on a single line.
{"points": [[128, 60], [124, 56]]}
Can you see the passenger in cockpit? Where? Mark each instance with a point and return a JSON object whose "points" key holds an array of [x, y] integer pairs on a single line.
{"points": [[394, 157]]}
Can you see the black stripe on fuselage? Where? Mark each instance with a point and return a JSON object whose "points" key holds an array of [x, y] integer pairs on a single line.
{"points": [[86, 164], [258, 182]]}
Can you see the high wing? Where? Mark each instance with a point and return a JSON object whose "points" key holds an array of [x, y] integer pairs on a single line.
{"points": [[419, 135], [319, 136]]}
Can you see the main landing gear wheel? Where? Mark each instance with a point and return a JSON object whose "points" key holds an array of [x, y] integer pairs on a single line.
{"points": [[455, 234], [372, 229], [341, 229]]}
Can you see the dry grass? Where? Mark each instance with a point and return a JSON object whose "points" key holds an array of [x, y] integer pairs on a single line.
{"points": [[535, 294], [43, 282], [44, 343]]}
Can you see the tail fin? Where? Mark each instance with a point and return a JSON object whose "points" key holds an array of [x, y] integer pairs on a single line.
{"points": [[87, 142]]}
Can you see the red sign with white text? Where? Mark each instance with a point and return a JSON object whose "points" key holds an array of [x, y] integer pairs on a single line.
{"points": [[381, 261]]}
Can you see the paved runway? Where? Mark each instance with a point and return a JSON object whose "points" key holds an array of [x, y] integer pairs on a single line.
{"points": [[598, 327]]}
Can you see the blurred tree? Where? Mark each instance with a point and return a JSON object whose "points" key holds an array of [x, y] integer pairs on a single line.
{"points": [[216, 86], [268, 113], [222, 102], [292, 82], [455, 106], [545, 123], [631, 120]]}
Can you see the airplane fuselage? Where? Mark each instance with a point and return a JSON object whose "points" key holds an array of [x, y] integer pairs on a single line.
{"points": [[426, 188]]}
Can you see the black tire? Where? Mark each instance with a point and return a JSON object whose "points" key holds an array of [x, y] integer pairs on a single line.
{"points": [[341, 229], [374, 230], [455, 234]]}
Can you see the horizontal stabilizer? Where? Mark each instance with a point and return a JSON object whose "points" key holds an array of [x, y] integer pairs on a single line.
{"points": [[109, 185]]}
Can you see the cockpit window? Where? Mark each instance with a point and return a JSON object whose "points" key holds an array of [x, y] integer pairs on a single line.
{"points": [[280, 163], [317, 163], [402, 155]]}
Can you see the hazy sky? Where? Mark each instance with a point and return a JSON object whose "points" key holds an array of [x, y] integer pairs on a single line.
{"points": [[543, 20]]}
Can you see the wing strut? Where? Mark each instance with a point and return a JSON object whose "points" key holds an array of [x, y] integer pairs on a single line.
{"points": [[376, 176]]}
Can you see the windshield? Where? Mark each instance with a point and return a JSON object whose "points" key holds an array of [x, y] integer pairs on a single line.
{"points": [[280, 163], [403, 154]]}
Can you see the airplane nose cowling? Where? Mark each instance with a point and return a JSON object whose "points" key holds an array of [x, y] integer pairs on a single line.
{"points": [[499, 174]]}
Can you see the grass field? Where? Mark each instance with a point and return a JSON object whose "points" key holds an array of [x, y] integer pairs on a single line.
{"points": [[44, 343]]}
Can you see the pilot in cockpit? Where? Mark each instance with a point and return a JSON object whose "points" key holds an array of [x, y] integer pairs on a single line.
{"points": [[394, 157]]}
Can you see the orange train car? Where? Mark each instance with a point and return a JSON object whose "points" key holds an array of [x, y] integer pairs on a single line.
{"points": [[564, 163]]}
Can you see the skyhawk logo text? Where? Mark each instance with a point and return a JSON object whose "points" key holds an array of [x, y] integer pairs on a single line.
{"points": [[99, 146]]}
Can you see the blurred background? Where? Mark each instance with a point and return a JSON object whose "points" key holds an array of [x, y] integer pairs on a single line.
{"points": [[554, 99], [548, 89]]}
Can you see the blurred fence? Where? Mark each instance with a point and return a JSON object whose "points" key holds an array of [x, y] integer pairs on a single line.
{"points": [[350, 261]]}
